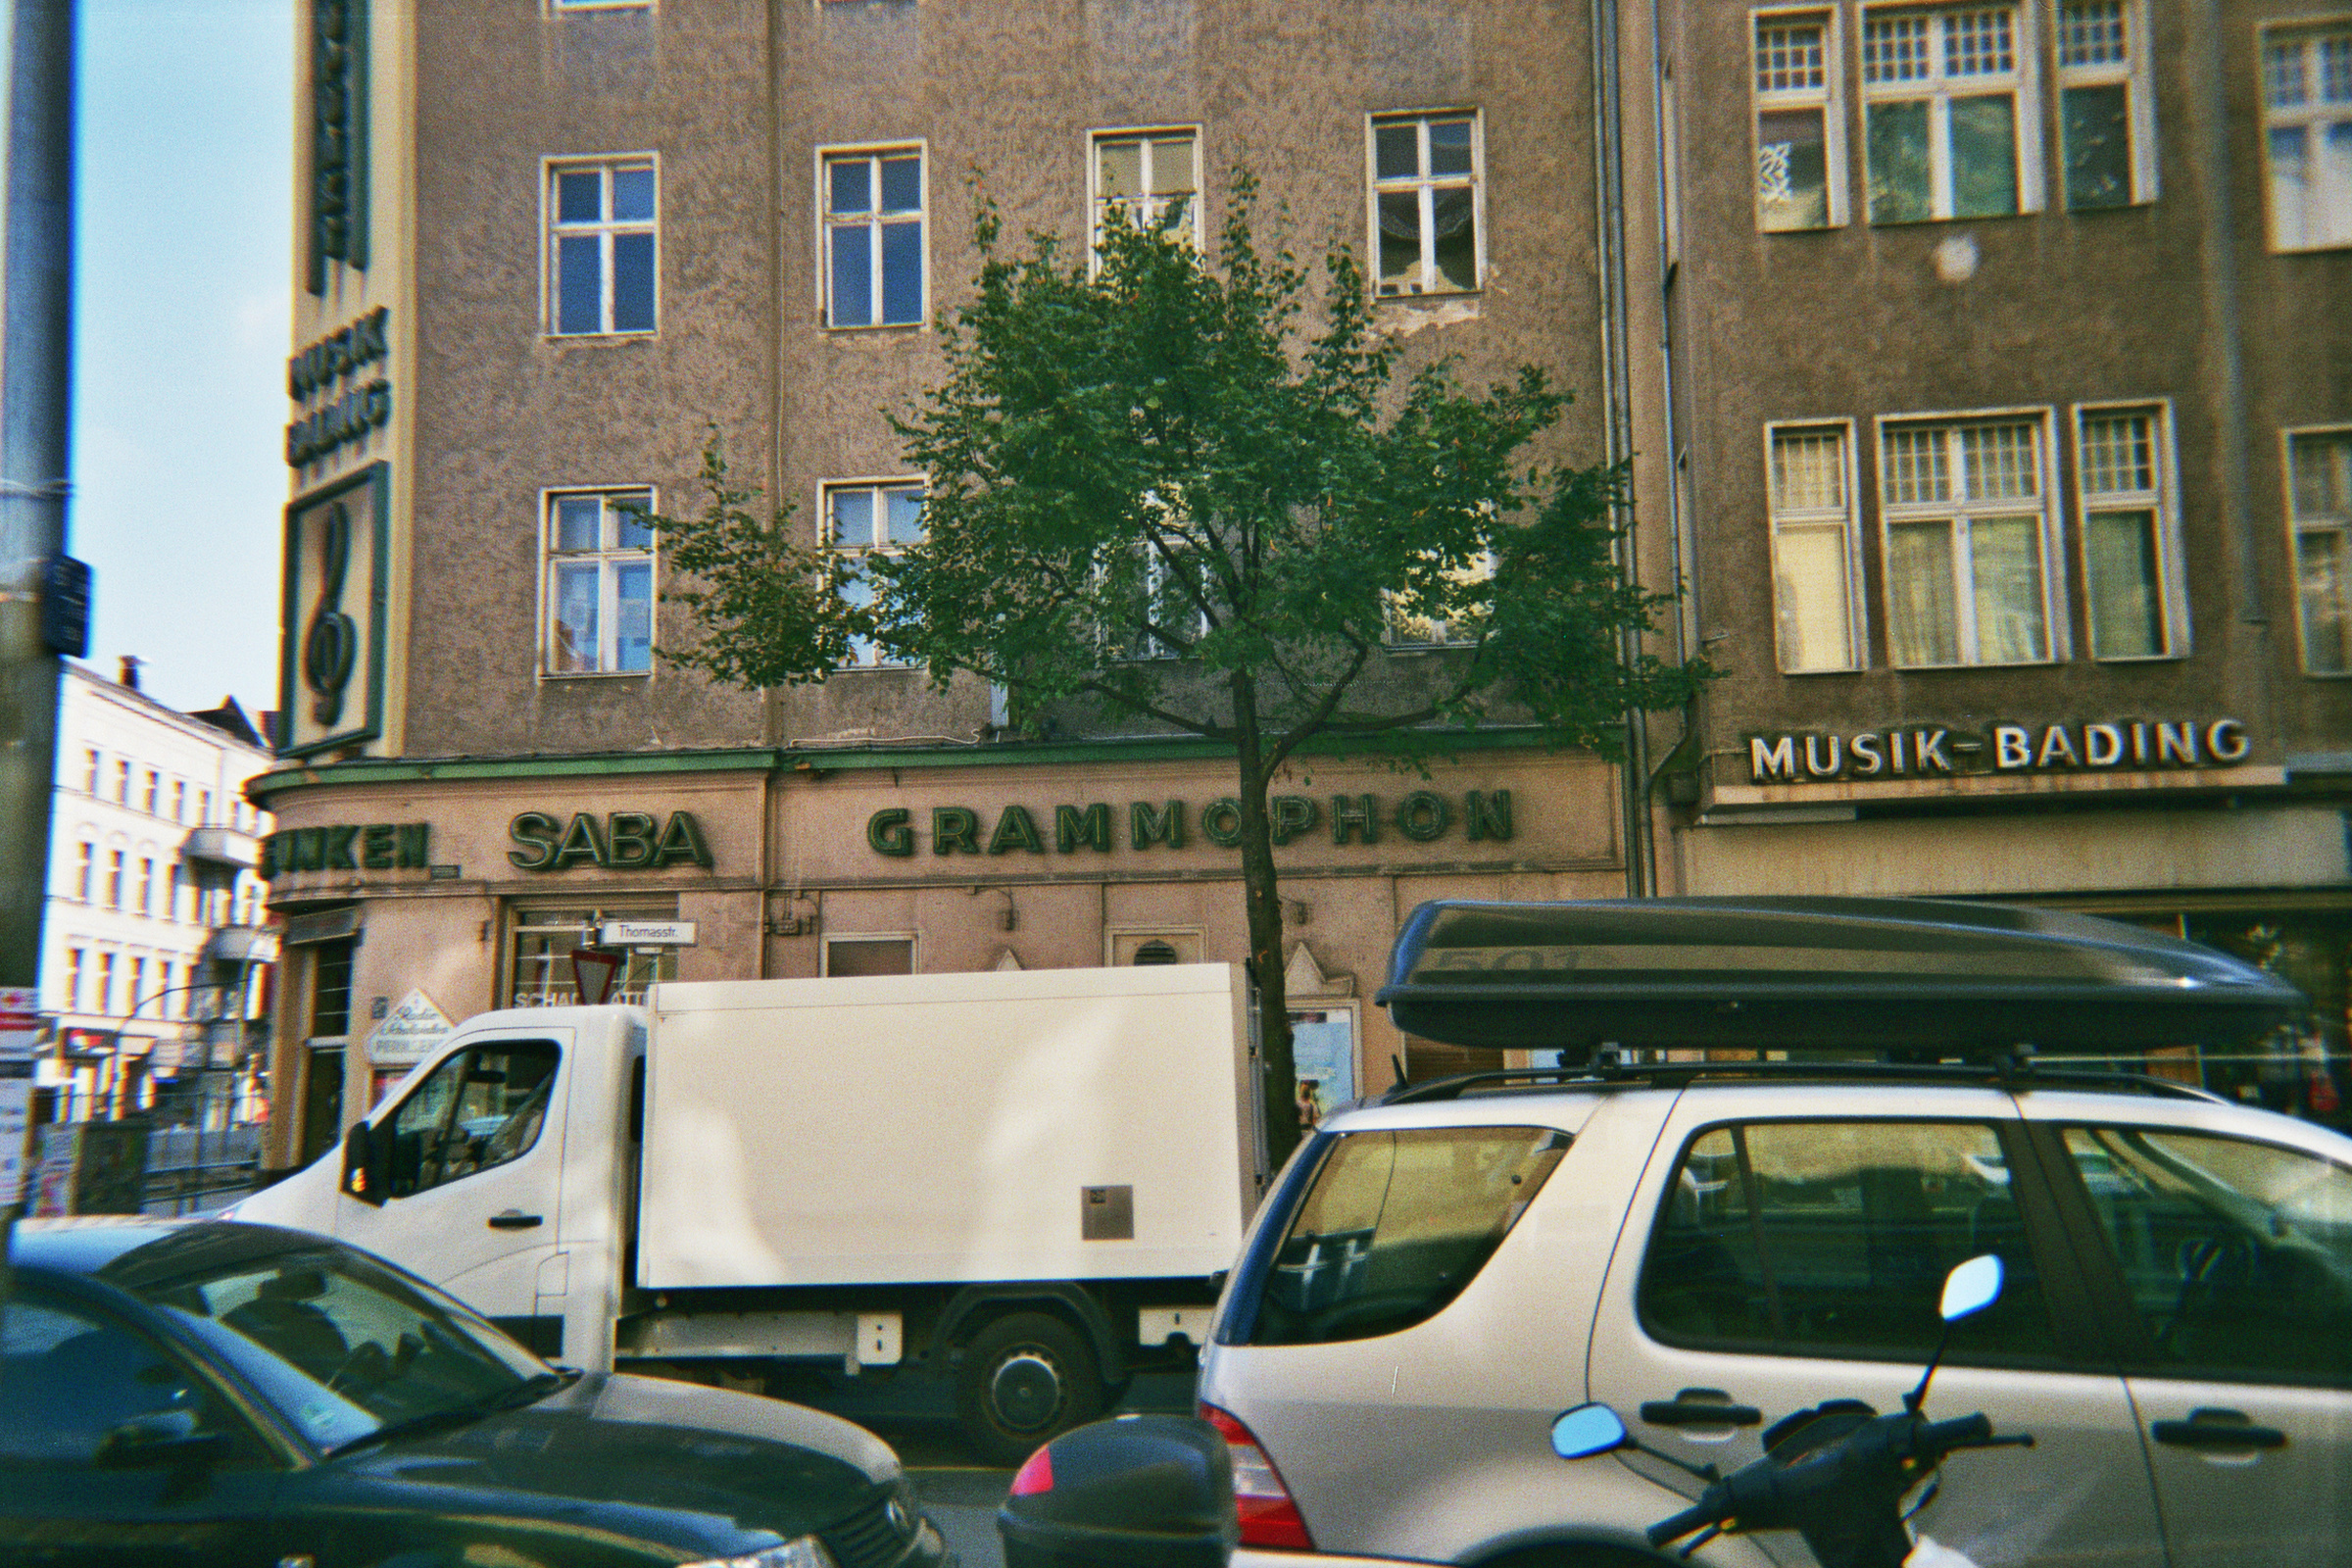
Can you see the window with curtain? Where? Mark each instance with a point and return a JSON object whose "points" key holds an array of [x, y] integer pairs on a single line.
{"points": [[2129, 531], [1947, 114], [1799, 130], [1964, 521], [2320, 480], [1815, 599], [2307, 125], [1425, 174], [600, 583]]}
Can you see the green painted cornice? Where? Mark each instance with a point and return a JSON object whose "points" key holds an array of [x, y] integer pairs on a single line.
{"points": [[822, 759]]}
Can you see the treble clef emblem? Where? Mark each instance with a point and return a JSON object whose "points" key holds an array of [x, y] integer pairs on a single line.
{"points": [[330, 647]]}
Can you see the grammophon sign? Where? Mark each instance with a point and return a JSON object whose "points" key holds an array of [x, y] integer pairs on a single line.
{"points": [[1928, 750], [1421, 817]]}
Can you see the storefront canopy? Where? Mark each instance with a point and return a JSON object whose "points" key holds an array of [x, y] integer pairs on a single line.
{"points": [[1910, 975]]}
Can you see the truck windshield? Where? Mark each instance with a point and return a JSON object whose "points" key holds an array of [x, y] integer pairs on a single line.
{"points": [[1394, 1225], [339, 1344]]}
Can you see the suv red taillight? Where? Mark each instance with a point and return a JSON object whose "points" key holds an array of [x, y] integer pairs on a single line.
{"points": [[1269, 1518]]}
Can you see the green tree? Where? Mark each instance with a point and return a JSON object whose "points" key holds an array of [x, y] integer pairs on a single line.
{"points": [[1159, 494]]}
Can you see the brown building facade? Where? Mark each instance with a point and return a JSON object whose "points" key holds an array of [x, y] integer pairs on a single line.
{"points": [[527, 307]]}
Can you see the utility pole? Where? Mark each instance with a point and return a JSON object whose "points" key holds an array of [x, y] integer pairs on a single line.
{"points": [[44, 597]]}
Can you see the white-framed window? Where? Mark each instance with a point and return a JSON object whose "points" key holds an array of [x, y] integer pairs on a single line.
{"points": [[2124, 493], [76, 959], [204, 808], [174, 895], [123, 781], [1414, 626], [599, 587], [2106, 102], [1147, 176], [2318, 466], [85, 858], [93, 766], [1949, 124], [146, 885], [1165, 596], [1964, 521], [106, 984], [873, 257], [1428, 206], [2307, 123], [864, 519], [114, 872], [1816, 546], [602, 246], [868, 952], [153, 795], [180, 800], [1800, 129]]}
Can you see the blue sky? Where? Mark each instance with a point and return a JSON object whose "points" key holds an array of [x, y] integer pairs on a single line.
{"points": [[182, 314]]}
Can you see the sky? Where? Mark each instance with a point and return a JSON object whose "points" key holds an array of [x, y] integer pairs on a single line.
{"points": [[182, 308]]}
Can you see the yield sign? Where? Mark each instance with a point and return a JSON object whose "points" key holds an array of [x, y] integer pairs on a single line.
{"points": [[593, 972]]}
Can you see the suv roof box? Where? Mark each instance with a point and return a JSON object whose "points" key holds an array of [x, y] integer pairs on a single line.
{"points": [[1912, 974]]}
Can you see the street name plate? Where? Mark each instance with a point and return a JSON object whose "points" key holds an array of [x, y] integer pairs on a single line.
{"points": [[647, 934]]}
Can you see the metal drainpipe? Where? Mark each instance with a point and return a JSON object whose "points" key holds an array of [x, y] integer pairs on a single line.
{"points": [[1608, 194]]}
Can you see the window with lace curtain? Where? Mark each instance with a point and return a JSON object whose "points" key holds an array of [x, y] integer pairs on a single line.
{"points": [[1965, 523], [2131, 532], [1801, 131], [1815, 550], [2320, 485], [1427, 219]]}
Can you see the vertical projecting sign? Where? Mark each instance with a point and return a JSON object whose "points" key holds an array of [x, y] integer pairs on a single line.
{"points": [[331, 648], [338, 137]]}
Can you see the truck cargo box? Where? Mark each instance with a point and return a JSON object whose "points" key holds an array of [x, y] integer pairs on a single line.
{"points": [[1049, 1124]]}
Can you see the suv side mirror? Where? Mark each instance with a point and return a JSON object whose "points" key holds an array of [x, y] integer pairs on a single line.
{"points": [[362, 1172], [1139, 1492], [1971, 1287]]}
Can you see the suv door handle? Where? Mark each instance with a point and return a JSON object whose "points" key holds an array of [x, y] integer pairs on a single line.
{"points": [[514, 1219], [1700, 1407], [2210, 1428]]}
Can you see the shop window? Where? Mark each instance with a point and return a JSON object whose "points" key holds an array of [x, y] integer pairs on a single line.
{"points": [[601, 228], [600, 583], [1427, 233], [543, 940], [1801, 131], [863, 954]]}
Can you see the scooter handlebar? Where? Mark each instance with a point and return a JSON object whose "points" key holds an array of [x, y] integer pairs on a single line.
{"points": [[1939, 1438], [1682, 1524]]}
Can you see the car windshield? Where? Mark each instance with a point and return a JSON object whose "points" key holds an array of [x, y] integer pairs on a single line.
{"points": [[341, 1344]]}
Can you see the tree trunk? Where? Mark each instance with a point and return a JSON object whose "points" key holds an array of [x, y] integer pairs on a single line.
{"points": [[1261, 898]]}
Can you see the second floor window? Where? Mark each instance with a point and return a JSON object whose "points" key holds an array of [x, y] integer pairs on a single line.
{"points": [[873, 261], [1964, 517], [602, 256], [2320, 482], [600, 583], [1799, 133], [863, 520], [1946, 113], [2307, 119], [1425, 203]]}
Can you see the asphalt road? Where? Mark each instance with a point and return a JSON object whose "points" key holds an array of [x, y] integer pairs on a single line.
{"points": [[961, 1495]]}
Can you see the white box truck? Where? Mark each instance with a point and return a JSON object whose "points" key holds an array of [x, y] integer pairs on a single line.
{"points": [[1007, 1187]]}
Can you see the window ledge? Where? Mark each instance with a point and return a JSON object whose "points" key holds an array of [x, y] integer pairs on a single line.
{"points": [[596, 675], [876, 327], [2138, 659], [1932, 669], [1864, 670], [600, 338]]}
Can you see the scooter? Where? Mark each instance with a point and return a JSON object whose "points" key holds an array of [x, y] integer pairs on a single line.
{"points": [[1157, 1491]]}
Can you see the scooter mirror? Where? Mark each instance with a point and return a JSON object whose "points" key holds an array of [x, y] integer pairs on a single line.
{"points": [[1972, 1286], [1585, 1431]]}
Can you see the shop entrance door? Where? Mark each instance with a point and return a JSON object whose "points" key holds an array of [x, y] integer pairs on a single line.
{"points": [[321, 1100]]}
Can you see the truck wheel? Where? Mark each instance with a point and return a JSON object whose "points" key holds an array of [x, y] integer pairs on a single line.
{"points": [[1026, 1378]]}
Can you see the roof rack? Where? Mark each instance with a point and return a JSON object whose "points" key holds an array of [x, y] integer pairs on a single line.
{"points": [[2008, 1072]]}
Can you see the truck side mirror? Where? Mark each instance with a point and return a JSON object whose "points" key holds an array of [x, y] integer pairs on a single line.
{"points": [[1140, 1492], [363, 1173]]}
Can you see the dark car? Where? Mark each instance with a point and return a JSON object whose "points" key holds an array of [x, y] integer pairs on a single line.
{"points": [[225, 1395]]}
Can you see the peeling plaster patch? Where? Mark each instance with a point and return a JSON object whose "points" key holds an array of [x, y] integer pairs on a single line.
{"points": [[1403, 321]]}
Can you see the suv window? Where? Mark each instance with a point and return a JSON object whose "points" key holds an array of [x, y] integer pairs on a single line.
{"points": [[2237, 1254], [481, 1107], [1396, 1225], [1834, 1238]]}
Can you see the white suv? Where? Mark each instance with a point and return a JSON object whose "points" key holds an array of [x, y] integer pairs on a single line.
{"points": [[1708, 1245]]}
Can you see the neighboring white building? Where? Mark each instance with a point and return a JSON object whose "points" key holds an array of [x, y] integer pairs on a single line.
{"points": [[154, 919]]}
